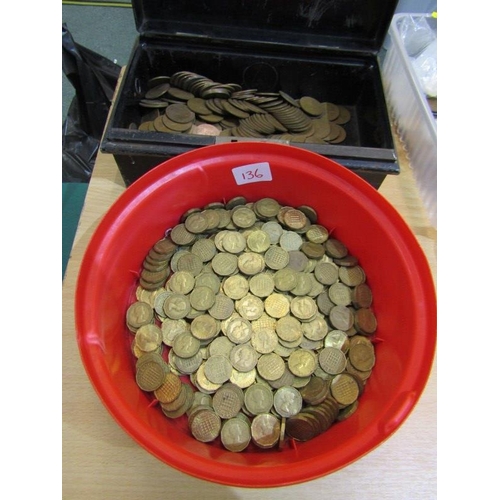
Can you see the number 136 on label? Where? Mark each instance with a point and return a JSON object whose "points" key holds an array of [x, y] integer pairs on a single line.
{"points": [[255, 172]]}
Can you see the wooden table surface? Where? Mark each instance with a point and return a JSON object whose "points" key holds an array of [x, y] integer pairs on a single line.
{"points": [[100, 461]]}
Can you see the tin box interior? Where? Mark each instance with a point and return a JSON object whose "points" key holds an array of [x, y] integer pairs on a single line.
{"points": [[327, 49]]}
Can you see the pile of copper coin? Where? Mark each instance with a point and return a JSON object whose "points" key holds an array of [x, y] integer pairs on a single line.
{"points": [[189, 103], [253, 322]]}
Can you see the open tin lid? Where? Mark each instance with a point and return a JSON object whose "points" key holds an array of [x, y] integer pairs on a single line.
{"points": [[354, 26]]}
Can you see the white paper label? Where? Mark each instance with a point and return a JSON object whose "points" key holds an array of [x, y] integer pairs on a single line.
{"points": [[255, 172]]}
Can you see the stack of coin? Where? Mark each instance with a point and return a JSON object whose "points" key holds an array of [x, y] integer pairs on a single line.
{"points": [[262, 311], [155, 266], [313, 420], [187, 102]]}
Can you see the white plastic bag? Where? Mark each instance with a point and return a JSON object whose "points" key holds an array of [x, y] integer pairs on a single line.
{"points": [[420, 42], [425, 66]]}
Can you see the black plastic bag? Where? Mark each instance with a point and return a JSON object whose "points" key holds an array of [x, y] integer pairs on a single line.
{"points": [[94, 78]]}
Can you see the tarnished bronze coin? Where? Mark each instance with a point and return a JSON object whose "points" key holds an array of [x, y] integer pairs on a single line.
{"points": [[302, 362], [139, 314], [348, 411], [289, 99], [202, 298], [276, 257], [158, 80], [181, 282], [344, 116], [311, 106], [313, 250], [204, 327], [224, 263], [362, 296], [352, 275], [270, 366], [157, 91], [287, 401], [205, 425], [266, 208], [258, 398], [235, 434], [185, 401], [169, 390], [317, 233], [303, 308], [341, 317], [347, 261], [332, 360], [340, 136], [218, 369], [265, 430], [196, 222], [180, 94], [365, 321], [206, 129], [362, 356], [233, 241], [264, 340], [250, 307], [155, 276], [175, 126], [251, 263], [289, 328], [258, 241], [150, 375], [180, 235], [197, 105], [332, 111], [228, 400], [243, 217], [213, 118], [335, 248], [176, 306], [238, 330], [185, 345], [295, 219], [261, 285], [315, 391], [148, 337], [344, 389], [276, 305], [223, 307], [340, 294], [302, 427], [243, 358], [326, 273], [165, 247]]}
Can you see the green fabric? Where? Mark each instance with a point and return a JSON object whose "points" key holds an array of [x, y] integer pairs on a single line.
{"points": [[73, 196]]}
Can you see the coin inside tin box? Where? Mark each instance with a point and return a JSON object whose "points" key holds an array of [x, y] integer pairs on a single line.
{"points": [[235, 57]]}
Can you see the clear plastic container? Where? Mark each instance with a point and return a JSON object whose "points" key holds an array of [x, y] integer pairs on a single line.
{"points": [[409, 107]]}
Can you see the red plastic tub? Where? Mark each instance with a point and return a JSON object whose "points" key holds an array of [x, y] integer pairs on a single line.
{"points": [[396, 269]]}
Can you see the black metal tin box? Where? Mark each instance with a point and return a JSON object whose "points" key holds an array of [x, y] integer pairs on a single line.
{"points": [[325, 49]]}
